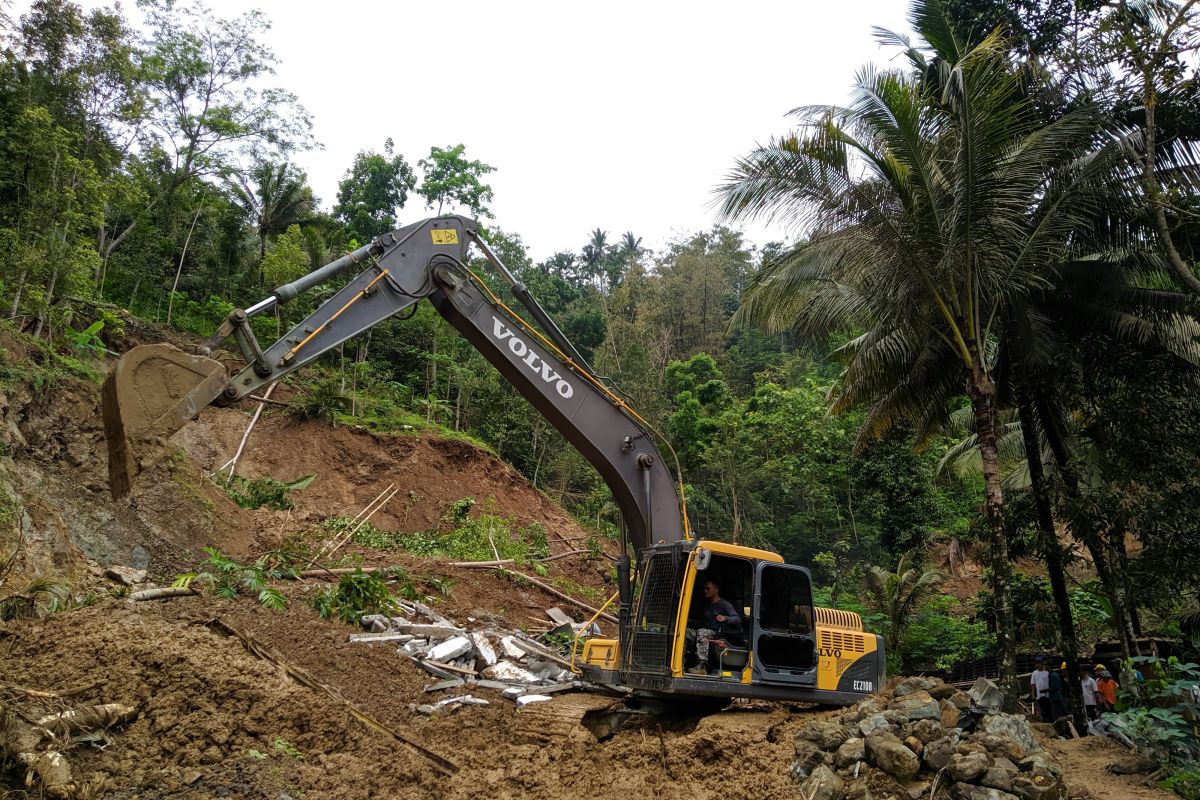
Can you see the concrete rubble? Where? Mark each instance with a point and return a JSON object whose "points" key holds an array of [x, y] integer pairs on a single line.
{"points": [[512, 663], [924, 738]]}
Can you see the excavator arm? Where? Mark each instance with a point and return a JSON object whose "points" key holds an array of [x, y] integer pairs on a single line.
{"points": [[155, 389]]}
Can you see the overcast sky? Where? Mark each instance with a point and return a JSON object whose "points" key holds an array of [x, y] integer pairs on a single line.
{"points": [[618, 115]]}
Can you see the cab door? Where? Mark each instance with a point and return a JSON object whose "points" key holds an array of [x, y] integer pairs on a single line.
{"points": [[784, 638]]}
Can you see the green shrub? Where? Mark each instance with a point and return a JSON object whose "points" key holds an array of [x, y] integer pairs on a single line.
{"points": [[360, 593], [260, 492], [227, 578]]}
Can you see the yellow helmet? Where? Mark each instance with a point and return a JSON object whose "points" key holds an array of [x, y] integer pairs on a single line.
{"points": [[1098, 668], [1063, 665]]}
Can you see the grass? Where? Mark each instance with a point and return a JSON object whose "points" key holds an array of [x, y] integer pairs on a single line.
{"points": [[43, 366], [478, 538]]}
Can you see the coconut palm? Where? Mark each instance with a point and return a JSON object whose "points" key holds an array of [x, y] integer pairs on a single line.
{"points": [[898, 594], [932, 204], [276, 197]]}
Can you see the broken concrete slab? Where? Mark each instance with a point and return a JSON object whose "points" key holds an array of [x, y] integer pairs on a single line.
{"points": [[450, 649], [449, 683], [484, 649], [526, 699], [508, 671], [381, 636], [559, 616]]}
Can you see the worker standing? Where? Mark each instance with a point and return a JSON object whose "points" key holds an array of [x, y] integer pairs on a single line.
{"points": [[1107, 687], [1039, 689], [1058, 708], [1089, 696]]}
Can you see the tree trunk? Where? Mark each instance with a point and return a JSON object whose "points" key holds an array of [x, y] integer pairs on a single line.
{"points": [[1084, 528], [982, 392], [1054, 563], [16, 304]]}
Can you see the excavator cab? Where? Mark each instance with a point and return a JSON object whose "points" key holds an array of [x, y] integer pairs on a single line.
{"points": [[784, 647]]}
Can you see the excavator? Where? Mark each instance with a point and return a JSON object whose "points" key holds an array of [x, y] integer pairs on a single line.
{"points": [[777, 645]]}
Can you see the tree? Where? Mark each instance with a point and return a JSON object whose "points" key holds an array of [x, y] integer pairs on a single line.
{"points": [[375, 187], [898, 594], [205, 110], [278, 199], [934, 201], [451, 179]]}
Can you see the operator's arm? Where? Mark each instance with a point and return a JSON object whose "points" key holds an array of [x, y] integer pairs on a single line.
{"points": [[731, 618]]}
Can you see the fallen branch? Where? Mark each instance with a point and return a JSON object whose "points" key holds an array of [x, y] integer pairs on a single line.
{"points": [[546, 588], [336, 571], [162, 593], [304, 678], [506, 561], [46, 694], [232, 463]]}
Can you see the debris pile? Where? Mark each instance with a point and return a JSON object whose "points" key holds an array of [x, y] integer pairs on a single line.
{"points": [[926, 739], [513, 663]]}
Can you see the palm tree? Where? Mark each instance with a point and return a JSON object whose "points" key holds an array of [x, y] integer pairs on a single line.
{"points": [[932, 203], [630, 245], [278, 198], [897, 595]]}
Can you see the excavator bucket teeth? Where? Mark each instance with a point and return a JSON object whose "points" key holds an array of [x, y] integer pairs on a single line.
{"points": [[149, 395]]}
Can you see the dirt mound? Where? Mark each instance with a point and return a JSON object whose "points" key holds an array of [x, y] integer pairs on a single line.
{"points": [[215, 720]]}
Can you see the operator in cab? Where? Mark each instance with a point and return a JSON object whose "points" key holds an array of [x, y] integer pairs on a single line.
{"points": [[717, 617]]}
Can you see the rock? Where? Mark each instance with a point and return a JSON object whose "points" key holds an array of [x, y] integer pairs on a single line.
{"points": [[912, 685], [965, 791], [1132, 765], [126, 576], [916, 705], [1000, 746], [510, 650], [896, 718], [986, 696], [914, 744], [889, 754], [1040, 763], [822, 784], [960, 700], [808, 758], [868, 707], [850, 753], [1013, 727], [918, 790], [1039, 788], [858, 790], [948, 713], [938, 753], [998, 778], [925, 730], [875, 723], [825, 734], [966, 768], [1047, 729], [943, 691]]}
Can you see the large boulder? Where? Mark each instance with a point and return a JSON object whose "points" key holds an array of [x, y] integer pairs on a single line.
{"points": [[1013, 727], [808, 758], [986, 696], [938, 753], [1039, 787], [825, 734], [916, 705], [1000, 746], [999, 777], [1039, 763], [850, 753], [822, 784], [925, 730], [876, 723], [965, 791], [889, 754], [916, 684], [966, 768]]}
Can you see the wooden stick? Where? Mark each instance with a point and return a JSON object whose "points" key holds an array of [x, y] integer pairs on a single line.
{"points": [[246, 436], [505, 562], [162, 593], [350, 534], [560, 595], [336, 571], [47, 694], [373, 502]]}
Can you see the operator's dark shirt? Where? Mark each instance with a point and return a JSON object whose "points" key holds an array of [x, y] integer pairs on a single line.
{"points": [[722, 606]]}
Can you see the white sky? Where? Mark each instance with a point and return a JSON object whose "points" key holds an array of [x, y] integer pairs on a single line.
{"points": [[619, 115]]}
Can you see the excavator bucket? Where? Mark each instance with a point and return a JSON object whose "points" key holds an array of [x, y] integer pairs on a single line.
{"points": [[153, 390]]}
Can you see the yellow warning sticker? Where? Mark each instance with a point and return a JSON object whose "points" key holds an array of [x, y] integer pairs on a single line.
{"points": [[445, 236]]}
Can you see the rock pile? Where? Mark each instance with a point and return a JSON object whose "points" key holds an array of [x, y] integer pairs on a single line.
{"points": [[925, 739]]}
